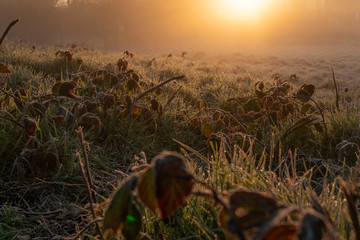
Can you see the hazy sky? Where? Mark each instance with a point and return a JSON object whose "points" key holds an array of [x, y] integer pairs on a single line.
{"points": [[179, 24]]}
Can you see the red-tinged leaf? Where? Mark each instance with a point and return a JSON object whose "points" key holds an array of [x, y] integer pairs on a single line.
{"points": [[260, 85], [207, 129], [281, 232], [29, 125], [223, 220], [66, 89], [136, 111], [146, 190], [305, 92], [252, 201], [216, 116], [133, 223], [4, 69], [154, 104], [173, 182], [55, 87], [119, 207]]}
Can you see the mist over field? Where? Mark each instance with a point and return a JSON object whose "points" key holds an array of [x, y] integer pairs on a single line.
{"points": [[162, 25]]}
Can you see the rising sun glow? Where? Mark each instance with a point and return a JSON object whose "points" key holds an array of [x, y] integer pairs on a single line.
{"points": [[241, 10]]}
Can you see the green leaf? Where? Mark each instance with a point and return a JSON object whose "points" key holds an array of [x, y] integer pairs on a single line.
{"points": [[133, 223], [305, 108], [251, 128], [120, 205], [207, 129], [173, 182], [146, 190], [4, 69]]}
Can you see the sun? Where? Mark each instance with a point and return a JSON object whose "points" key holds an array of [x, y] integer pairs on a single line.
{"points": [[241, 9]]}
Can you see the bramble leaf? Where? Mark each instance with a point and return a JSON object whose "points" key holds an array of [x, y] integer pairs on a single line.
{"points": [[173, 182], [120, 205], [4, 69], [146, 189], [206, 129], [131, 84], [29, 125], [133, 223], [216, 116], [248, 210], [154, 104], [305, 92], [66, 89], [223, 219], [305, 108], [252, 201], [311, 227]]}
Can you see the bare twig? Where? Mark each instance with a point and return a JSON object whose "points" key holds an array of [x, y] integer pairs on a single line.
{"points": [[171, 99], [13, 121], [7, 30], [214, 194], [42, 213], [87, 226], [87, 168], [296, 126], [59, 183], [336, 89], [42, 182], [117, 85], [89, 192], [322, 116], [9, 94], [143, 94]]}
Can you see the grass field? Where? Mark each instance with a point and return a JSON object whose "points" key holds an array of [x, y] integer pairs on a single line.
{"points": [[262, 122]]}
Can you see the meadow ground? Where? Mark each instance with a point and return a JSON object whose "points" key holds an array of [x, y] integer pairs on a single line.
{"points": [[260, 119]]}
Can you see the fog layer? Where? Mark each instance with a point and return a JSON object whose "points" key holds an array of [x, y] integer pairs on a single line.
{"points": [[165, 25]]}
